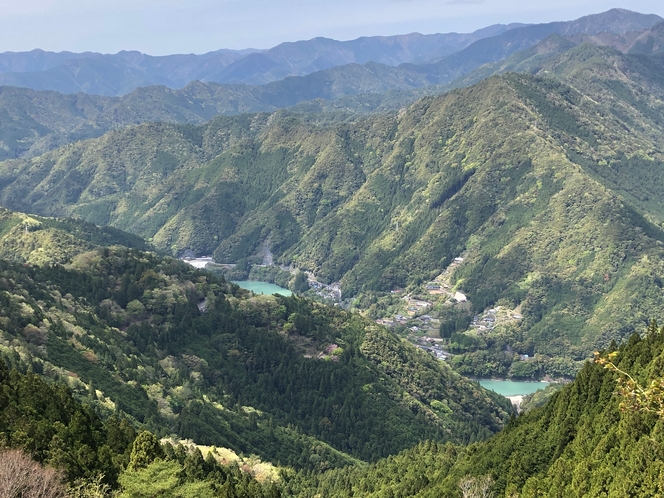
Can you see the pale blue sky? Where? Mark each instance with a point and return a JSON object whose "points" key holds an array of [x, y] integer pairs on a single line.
{"points": [[161, 27]]}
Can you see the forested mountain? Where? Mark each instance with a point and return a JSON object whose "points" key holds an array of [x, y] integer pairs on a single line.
{"points": [[586, 441], [54, 447], [184, 353], [538, 181], [121, 73], [538, 190], [37, 240], [34, 122], [580, 444]]}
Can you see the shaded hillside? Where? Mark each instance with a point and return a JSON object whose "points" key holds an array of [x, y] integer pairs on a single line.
{"points": [[185, 353], [578, 444], [56, 441], [546, 56]]}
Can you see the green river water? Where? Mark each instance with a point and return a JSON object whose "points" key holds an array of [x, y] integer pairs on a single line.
{"points": [[512, 388], [262, 287]]}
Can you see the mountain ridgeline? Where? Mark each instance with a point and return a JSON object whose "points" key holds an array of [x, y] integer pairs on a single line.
{"points": [[437, 57], [538, 179], [117, 74], [534, 185], [361, 80]]}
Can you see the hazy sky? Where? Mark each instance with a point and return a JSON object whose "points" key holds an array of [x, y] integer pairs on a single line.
{"points": [[182, 26]]}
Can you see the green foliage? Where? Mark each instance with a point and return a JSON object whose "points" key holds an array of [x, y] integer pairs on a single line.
{"points": [[300, 283], [177, 349], [389, 201], [47, 422], [580, 443], [145, 449], [539, 397]]}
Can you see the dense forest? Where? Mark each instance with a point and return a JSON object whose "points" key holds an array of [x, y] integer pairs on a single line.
{"points": [[512, 228], [96, 458], [587, 441], [590, 439], [536, 179], [289, 380]]}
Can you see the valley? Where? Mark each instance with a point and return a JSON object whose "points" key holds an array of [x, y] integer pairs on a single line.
{"points": [[399, 266]]}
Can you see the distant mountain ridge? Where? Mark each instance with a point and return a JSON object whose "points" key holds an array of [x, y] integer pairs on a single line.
{"points": [[496, 48], [542, 57], [34, 122], [118, 74], [416, 60]]}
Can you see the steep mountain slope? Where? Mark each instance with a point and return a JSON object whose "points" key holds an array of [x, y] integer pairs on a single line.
{"points": [[579, 444], [185, 353], [56, 441], [513, 171], [44, 420], [650, 42], [628, 86]]}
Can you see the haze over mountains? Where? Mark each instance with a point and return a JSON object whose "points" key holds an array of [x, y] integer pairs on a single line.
{"points": [[440, 58], [34, 122], [120, 73]]}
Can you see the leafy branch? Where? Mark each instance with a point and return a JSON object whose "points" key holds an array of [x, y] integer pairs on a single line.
{"points": [[635, 397]]}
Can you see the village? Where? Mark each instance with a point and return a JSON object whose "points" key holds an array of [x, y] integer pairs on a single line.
{"points": [[419, 312], [415, 315]]}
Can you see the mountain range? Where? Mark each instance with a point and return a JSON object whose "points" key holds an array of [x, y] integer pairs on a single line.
{"points": [[511, 178], [120, 73], [36, 121], [437, 58], [539, 179]]}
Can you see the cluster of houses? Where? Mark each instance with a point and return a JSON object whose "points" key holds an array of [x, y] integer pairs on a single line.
{"points": [[391, 322], [415, 305], [486, 322], [332, 292], [435, 288], [490, 319], [402, 320], [434, 349]]}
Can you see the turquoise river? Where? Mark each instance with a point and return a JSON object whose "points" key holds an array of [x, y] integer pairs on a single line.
{"points": [[512, 388], [262, 287]]}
